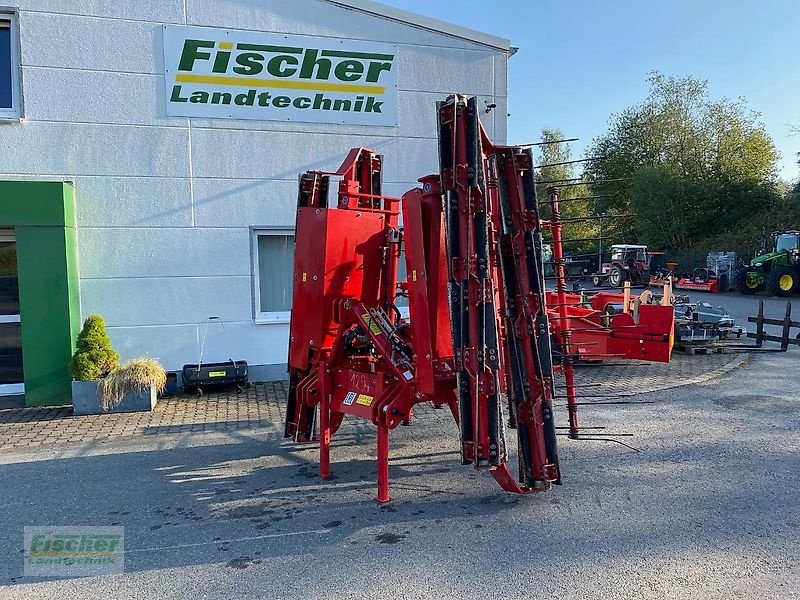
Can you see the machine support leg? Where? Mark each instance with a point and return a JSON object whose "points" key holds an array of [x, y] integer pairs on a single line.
{"points": [[324, 427], [383, 464], [561, 289]]}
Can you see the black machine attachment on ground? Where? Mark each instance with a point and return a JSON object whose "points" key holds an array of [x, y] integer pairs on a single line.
{"points": [[786, 338]]}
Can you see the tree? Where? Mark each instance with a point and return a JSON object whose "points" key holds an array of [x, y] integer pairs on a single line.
{"points": [[793, 192], [551, 158], [694, 170]]}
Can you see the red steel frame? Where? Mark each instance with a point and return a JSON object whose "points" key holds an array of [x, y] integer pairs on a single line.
{"points": [[690, 283], [481, 323]]}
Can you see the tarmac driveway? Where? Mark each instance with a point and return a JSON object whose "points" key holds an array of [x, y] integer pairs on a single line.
{"points": [[709, 508]]}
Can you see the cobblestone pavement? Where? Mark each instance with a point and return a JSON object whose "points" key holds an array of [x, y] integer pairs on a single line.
{"points": [[258, 407], [628, 378], [261, 406]]}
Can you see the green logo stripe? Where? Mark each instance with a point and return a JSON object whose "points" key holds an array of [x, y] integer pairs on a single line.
{"points": [[263, 48]]}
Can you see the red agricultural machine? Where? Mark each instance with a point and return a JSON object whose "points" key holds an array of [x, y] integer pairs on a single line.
{"points": [[702, 280], [715, 277], [629, 262], [482, 332]]}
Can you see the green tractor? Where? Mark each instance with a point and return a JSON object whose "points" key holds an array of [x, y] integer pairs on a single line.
{"points": [[778, 271]]}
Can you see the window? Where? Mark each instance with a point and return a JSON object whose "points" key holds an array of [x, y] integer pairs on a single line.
{"points": [[273, 267], [787, 241], [9, 68]]}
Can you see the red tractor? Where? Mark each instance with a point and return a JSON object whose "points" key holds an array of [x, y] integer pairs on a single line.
{"points": [[629, 262]]}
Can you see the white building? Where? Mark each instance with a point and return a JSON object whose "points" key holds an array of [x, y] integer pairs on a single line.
{"points": [[180, 217]]}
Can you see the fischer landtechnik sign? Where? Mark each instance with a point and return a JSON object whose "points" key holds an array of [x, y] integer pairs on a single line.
{"points": [[247, 75]]}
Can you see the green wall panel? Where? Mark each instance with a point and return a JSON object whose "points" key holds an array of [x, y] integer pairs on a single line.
{"points": [[43, 215], [39, 203]]}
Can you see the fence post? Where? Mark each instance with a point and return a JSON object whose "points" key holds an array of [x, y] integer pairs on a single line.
{"points": [[760, 324], [787, 324]]}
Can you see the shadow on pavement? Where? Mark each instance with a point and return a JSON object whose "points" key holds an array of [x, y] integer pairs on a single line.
{"points": [[720, 470]]}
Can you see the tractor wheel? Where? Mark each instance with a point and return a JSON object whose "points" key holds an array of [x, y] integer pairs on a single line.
{"points": [[723, 284], [783, 281], [617, 277], [596, 281], [742, 285]]}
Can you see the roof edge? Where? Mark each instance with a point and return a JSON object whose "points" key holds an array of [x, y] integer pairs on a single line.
{"points": [[422, 22]]}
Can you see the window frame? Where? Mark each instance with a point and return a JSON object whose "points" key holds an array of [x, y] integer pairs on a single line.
{"points": [[275, 317], [13, 114]]}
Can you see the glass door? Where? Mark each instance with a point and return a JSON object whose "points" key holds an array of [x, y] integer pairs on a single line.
{"points": [[10, 335]]}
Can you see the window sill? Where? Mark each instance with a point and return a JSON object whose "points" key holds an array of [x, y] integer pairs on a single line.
{"points": [[278, 320], [10, 120]]}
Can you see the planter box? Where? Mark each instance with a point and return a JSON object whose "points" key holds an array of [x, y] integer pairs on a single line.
{"points": [[85, 400]]}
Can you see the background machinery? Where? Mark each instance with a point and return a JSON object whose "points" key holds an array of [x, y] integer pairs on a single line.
{"points": [[628, 262], [482, 325], [778, 270], [715, 277]]}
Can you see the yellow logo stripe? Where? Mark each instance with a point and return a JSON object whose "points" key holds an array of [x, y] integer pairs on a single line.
{"points": [[278, 84]]}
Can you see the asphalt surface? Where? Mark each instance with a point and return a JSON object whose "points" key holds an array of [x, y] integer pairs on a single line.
{"points": [[708, 508]]}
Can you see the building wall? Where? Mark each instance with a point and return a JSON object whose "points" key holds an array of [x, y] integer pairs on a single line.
{"points": [[165, 204]]}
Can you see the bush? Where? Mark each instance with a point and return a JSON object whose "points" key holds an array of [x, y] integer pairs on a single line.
{"points": [[138, 374], [94, 357]]}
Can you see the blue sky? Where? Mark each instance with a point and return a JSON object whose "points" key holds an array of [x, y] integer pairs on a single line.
{"points": [[579, 61]]}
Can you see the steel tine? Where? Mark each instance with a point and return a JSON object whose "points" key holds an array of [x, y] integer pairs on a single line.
{"points": [[583, 181], [593, 438], [571, 162], [547, 143], [593, 218], [578, 199]]}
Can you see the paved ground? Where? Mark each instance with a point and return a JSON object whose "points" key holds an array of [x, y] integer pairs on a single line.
{"points": [[261, 406], [708, 508], [258, 407]]}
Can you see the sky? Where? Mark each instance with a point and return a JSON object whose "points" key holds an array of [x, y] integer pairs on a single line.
{"points": [[580, 61]]}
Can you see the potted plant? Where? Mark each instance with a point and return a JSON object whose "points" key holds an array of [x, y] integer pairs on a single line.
{"points": [[94, 358], [100, 385], [133, 386]]}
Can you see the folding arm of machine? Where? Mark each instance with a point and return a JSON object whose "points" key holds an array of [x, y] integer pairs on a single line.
{"points": [[482, 328], [500, 331]]}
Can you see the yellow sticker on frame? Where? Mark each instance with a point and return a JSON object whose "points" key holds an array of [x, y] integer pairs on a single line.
{"points": [[364, 400], [373, 326]]}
